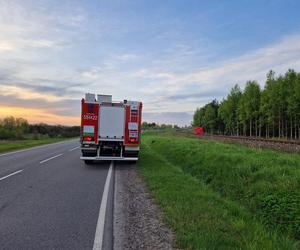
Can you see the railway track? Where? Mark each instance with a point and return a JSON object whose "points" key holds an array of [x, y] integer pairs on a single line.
{"points": [[283, 141], [255, 142]]}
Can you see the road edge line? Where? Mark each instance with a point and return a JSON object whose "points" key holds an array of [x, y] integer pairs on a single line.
{"points": [[9, 175], [34, 147], [72, 149], [102, 211]]}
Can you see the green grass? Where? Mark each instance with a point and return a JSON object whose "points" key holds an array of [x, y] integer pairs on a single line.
{"points": [[221, 196], [11, 145]]}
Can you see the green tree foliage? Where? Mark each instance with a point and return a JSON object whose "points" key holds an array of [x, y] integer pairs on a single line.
{"points": [[19, 128], [251, 104], [273, 111], [54, 130], [228, 111], [11, 127], [155, 126], [207, 117]]}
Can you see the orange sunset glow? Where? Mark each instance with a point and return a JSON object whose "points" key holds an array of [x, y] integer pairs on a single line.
{"points": [[38, 116]]}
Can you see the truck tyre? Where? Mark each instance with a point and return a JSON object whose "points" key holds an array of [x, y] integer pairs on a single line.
{"points": [[132, 162], [88, 162]]}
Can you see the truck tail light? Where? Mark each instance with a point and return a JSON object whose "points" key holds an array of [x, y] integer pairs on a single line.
{"points": [[133, 140], [88, 138], [133, 136]]}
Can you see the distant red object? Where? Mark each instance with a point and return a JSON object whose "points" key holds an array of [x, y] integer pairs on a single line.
{"points": [[198, 131]]}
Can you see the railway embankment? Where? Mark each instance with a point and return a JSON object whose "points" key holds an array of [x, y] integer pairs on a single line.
{"points": [[214, 194]]}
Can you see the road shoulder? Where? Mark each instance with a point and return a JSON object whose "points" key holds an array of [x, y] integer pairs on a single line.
{"points": [[137, 220]]}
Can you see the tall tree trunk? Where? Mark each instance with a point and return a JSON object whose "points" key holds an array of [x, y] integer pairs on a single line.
{"points": [[259, 129], [282, 128], [266, 135], [256, 127], [250, 127], [291, 135], [279, 127], [286, 129]]}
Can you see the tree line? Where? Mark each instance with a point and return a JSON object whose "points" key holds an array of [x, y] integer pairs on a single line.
{"points": [[271, 111], [156, 126], [19, 128]]}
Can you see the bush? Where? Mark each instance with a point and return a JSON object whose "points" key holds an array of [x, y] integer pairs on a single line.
{"points": [[6, 134], [18, 128]]}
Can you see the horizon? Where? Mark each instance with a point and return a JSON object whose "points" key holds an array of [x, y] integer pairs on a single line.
{"points": [[174, 56]]}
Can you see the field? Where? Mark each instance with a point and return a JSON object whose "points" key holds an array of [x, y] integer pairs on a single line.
{"points": [[10, 145], [218, 196]]}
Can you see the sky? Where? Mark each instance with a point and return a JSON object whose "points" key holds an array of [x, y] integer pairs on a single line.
{"points": [[172, 55]]}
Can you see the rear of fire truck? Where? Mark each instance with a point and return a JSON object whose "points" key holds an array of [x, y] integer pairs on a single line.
{"points": [[110, 130]]}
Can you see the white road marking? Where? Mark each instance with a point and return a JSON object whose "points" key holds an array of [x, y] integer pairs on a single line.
{"points": [[101, 219], [55, 156], [72, 149], [32, 148], [9, 175]]}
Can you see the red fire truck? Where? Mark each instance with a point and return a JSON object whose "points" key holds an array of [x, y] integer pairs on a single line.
{"points": [[110, 130]]}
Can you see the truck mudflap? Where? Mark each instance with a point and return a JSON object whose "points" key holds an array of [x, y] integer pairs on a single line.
{"points": [[108, 158]]}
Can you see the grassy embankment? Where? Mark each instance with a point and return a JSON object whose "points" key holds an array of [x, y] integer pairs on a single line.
{"points": [[10, 145], [219, 196]]}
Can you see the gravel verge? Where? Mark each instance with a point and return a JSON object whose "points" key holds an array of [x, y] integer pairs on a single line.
{"points": [[138, 222]]}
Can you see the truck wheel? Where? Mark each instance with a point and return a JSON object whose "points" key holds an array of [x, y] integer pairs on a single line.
{"points": [[88, 162], [132, 162]]}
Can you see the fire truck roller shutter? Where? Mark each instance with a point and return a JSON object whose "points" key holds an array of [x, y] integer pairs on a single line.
{"points": [[111, 122]]}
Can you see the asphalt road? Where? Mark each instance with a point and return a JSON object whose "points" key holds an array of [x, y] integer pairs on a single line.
{"points": [[49, 199]]}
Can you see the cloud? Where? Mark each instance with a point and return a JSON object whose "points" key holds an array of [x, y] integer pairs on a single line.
{"points": [[6, 46], [253, 65], [153, 74], [110, 66], [43, 43], [50, 55], [36, 27], [162, 90], [98, 71], [39, 87], [65, 107], [215, 81], [126, 57], [23, 44], [179, 118], [37, 115], [26, 94], [194, 96]]}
